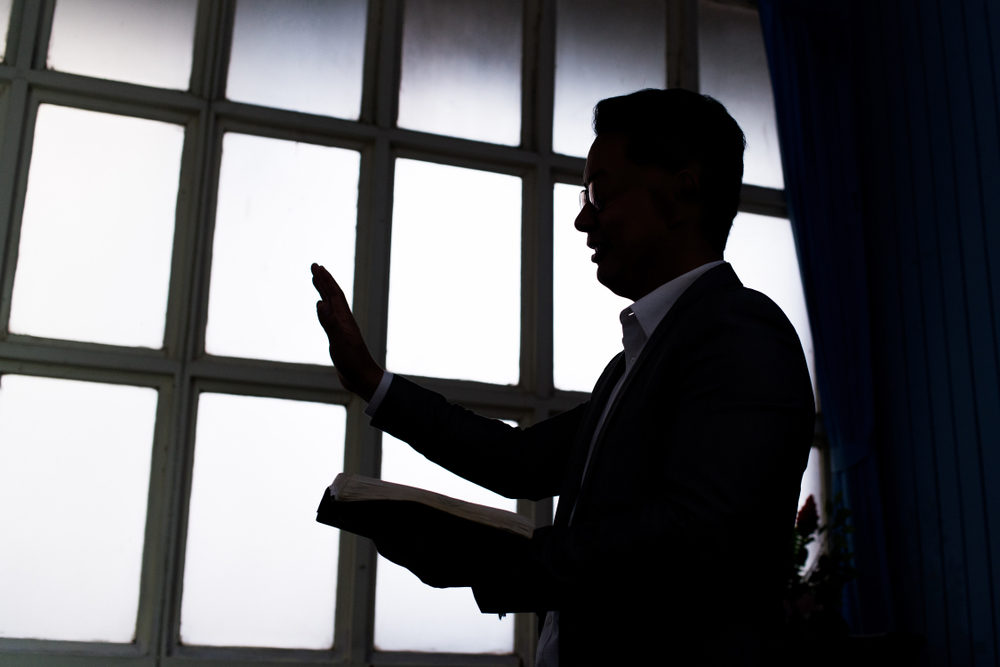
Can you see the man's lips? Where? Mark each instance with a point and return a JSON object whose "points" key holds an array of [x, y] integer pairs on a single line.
{"points": [[599, 250]]}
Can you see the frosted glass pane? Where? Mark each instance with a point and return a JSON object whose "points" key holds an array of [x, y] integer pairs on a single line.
{"points": [[259, 570], [74, 479], [282, 205], [304, 55], [603, 48], [762, 251], [404, 465], [411, 616], [733, 69], [586, 330], [150, 42], [4, 25], [97, 231], [461, 69], [812, 485], [454, 279]]}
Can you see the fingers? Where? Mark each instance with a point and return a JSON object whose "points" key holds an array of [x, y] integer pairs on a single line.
{"points": [[357, 370], [327, 286], [333, 311]]}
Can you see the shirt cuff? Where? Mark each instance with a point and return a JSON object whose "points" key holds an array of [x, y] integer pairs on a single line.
{"points": [[380, 392]]}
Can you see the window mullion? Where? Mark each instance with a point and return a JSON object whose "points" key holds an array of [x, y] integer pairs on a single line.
{"points": [[14, 105], [212, 41], [355, 617], [682, 44], [186, 310], [33, 34], [387, 15], [536, 231]]}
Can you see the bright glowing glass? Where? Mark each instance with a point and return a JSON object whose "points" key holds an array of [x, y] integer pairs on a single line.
{"points": [[282, 205], [586, 330], [149, 42], [454, 278], [97, 231], [812, 485], [461, 69], [762, 251], [4, 25], [74, 478], [733, 68], [603, 48], [259, 570], [304, 55], [411, 616]]}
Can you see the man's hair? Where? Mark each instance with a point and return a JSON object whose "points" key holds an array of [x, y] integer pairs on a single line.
{"points": [[675, 128]]}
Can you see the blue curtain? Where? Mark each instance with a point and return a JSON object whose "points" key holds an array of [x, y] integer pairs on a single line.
{"points": [[890, 137], [808, 47]]}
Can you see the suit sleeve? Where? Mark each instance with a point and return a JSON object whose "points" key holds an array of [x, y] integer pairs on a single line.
{"points": [[516, 463]]}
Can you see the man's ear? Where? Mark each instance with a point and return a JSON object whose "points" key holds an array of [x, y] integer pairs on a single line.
{"points": [[688, 182]]}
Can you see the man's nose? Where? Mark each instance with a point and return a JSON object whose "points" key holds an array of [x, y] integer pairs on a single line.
{"points": [[585, 219]]}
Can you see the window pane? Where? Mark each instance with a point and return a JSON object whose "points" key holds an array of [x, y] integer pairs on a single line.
{"points": [[812, 485], [461, 70], [150, 42], [259, 570], [97, 232], [733, 69], [282, 205], [603, 48], [454, 279], [74, 478], [304, 55], [586, 330], [411, 616], [4, 25], [762, 251]]}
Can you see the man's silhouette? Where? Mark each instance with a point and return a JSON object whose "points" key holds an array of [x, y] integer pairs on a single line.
{"points": [[678, 479]]}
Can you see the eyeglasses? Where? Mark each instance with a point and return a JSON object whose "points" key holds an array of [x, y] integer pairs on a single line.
{"points": [[587, 197]]}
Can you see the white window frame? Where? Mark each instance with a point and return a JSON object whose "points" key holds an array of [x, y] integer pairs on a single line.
{"points": [[181, 370]]}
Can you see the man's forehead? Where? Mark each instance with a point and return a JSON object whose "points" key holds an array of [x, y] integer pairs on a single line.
{"points": [[607, 155]]}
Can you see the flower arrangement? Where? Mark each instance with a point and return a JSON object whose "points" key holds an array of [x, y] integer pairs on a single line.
{"points": [[813, 593]]}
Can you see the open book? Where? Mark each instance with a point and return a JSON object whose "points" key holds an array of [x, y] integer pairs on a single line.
{"points": [[444, 541], [352, 488]]}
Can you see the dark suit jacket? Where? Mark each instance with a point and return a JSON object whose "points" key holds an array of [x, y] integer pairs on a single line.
{"points": [[679, 540]]}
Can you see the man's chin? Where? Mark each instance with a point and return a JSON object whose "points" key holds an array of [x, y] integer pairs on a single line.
{"points": [[616, 281], [609, 279]]}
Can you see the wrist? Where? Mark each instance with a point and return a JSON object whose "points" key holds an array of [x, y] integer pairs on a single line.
{"points": [[371, 383]]}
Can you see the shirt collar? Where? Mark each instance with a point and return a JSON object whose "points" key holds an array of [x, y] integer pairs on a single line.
{"points": [[650, 310]]}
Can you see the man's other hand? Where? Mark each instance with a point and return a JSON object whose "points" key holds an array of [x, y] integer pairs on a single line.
{"points": [[355, 366]]}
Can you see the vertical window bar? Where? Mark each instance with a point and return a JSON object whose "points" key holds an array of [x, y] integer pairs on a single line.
{"points": [[36, 29], [213, 36], [682, 44], [187, 306], [389, 57], [355, 619]]}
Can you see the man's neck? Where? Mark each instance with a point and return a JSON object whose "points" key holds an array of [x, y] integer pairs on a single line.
{"points": [[673, 271]]}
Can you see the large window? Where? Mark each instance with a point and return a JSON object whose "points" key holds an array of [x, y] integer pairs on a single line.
{"points": [[168, 417]]}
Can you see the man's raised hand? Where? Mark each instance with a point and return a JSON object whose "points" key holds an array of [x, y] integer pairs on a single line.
{"points": [[355, 366]]}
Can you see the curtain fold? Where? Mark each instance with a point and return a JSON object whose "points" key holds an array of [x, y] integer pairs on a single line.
{"points": [[889, 123], [809, 49]]}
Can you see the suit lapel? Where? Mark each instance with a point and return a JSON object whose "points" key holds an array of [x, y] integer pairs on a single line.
{"points": [[598, 399], [717, 278]]}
